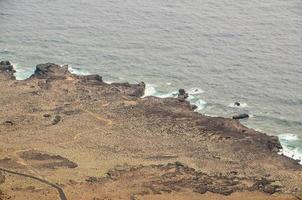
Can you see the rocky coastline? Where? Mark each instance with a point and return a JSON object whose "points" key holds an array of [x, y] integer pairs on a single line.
{"points": [[81, 134]]}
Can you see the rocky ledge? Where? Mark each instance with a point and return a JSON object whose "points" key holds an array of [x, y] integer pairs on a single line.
{"points": [[106, 134]]}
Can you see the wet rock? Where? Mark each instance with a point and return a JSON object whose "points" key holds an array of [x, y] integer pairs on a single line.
{"points": [[236, 103], [139, 90], [194, 107], [182, 92], [56, 120], [274, 145], [182, 95], [7, 68], [241, 116]]}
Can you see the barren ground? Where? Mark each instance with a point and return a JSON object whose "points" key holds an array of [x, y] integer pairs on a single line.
{"points": [[92, 140]]}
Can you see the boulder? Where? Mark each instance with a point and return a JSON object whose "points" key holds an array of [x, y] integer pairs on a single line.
{"points": [[7, 68], [182, 95], [194, 107], [56, 120], [237, 103], [241, 116], [181, 92], [139, 90]]}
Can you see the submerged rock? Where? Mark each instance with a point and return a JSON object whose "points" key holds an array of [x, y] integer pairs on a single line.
{"points": [[237, 103]]}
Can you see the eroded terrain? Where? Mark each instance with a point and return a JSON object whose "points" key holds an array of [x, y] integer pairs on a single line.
{"points": [[64, 136]]}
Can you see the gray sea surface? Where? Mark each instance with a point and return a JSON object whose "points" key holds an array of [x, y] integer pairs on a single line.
{"points": [[221, 51]]}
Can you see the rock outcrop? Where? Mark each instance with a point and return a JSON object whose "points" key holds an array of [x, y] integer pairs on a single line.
{"points": [[7, 69], [51, 71], [182, 95], [241, 116]]}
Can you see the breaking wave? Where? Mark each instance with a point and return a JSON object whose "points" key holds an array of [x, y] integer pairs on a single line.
{"points": [[290, 144], [194, 98]]}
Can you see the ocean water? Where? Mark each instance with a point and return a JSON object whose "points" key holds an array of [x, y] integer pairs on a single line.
{"points": [[220, 51]]}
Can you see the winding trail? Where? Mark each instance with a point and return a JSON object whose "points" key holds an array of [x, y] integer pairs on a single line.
{"points": [[60, 190]]}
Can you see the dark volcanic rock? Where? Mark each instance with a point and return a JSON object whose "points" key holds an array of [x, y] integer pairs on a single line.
{"points": [[241, 116], [56, 120], [194, 107], [91, 79], [133, 90], [46, 115], [266, 186], [51, 71], [7, 68], [237, 103], [9, 122], [181, 92], [138, 90], [182, 95], [177, 176], [48, 161]]}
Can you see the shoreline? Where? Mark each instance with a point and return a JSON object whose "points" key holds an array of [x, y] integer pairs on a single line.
{"points": [[100, 134], [151, 90]]}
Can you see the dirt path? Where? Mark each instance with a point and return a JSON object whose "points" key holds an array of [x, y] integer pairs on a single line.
{"points": [[60, 190]]}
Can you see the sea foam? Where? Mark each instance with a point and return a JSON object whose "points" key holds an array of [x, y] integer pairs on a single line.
{"points": [[21, 72], [290, 145], [242, 105], [151, 90], [77, 70]]}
